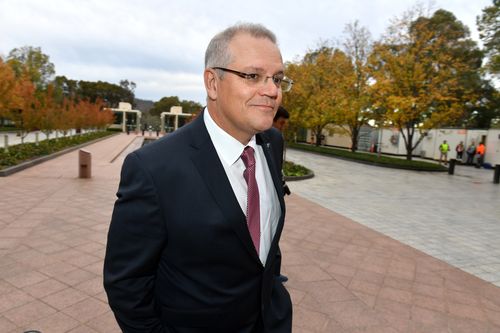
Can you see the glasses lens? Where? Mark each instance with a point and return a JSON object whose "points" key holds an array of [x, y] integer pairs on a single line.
{"points": [[286, 85]]}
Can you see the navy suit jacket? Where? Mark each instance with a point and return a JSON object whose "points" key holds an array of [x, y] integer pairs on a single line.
{"points": [[179, 256]]}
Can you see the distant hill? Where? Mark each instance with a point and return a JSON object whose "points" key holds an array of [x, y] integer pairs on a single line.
{"points": [[143, 104]]}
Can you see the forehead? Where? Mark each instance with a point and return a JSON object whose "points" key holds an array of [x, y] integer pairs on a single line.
{"points": [[255, 52]]}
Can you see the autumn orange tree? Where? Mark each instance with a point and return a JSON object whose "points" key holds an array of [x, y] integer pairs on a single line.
{"points": [[49, 110], [32, 101], [422, 70], [315, 99], [9, 91], [17, 100]]}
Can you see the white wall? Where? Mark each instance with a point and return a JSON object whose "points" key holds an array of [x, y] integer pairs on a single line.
{"points": [[492, 154], [429, 146], [393, 142], [431, 143]]}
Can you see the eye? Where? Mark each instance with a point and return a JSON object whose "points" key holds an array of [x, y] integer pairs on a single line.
{"points": [[277, 79], [253, 77]]}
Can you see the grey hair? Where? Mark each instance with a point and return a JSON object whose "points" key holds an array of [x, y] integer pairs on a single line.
{"points": [[218, 55]]}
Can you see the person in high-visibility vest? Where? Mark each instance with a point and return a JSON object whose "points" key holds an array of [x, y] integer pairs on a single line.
{"points": [[480, 150], [444, 148]]}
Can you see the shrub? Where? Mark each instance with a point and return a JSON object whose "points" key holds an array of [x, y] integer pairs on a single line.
{"points": [[291, 169], [28, 151]]}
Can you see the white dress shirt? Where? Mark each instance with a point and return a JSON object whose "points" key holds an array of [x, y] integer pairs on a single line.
{"points": [[229, 150]]}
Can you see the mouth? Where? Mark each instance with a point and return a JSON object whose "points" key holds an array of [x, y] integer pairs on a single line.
{"points": [[266, 107]]}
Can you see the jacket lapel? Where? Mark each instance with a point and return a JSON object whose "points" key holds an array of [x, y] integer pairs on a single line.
{"points": [[270, 153], [212, 172]]}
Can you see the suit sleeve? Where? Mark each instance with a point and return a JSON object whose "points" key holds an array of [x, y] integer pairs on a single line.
{"points": [[136, 238]]}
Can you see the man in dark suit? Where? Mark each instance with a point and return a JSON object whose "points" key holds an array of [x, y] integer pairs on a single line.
{"points": [[193, 242]]}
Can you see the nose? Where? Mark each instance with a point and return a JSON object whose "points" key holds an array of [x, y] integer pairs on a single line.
{"points": [[269, 88]]}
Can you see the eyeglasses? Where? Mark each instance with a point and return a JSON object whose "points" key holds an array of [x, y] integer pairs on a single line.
{"points": [[255, 79]]}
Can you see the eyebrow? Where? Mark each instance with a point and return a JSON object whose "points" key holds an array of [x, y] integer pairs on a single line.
{"points": [[261, 70]]}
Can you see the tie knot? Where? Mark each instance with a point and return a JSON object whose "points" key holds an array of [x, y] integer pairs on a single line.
{"points": [[248, 157]]}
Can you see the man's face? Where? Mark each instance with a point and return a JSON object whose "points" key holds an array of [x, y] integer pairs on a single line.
{"points": [[243, 109], [280, 123]]}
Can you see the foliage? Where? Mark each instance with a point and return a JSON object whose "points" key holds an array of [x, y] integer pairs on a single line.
{"points": [[486, 110], [489, 32], [291, 169], [165, 103], [33, 63], [370, 158], [9, 89], [424, 73], [354, 87], [19, 106], [315, 98], [111, 94], [27, 151], [32, 103]]}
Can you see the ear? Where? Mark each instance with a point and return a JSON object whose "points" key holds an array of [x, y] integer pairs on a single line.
{"points": [[210, 83]]}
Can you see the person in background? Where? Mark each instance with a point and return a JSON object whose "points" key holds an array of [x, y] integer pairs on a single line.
{"points": [[471, 151], [460, 150], [193, 245], [444, 148], [480, 150], [280, 120]]}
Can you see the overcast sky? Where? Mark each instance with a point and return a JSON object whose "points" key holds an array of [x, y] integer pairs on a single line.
{"points": [[160, 44]]}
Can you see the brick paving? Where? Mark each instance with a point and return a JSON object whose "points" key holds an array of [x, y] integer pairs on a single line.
{"points": [[452, 218], [343, 276]]}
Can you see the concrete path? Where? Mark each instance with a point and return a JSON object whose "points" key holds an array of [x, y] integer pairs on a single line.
{"points": [[452, 218], [343, 276]]}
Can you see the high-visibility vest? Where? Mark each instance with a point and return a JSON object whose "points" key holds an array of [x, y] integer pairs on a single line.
{"points": [[480, 149], [444, 147]]}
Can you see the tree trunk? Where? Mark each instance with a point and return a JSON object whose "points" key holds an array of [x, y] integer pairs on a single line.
{"points": [[409, 141], [354, 139], [318, 136]]}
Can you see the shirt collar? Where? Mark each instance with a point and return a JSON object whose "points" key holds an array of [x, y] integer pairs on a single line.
{"points": [[228, 148]]}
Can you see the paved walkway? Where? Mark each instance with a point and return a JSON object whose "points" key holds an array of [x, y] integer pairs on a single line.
{"points": [[344, 277], [452, 218]]}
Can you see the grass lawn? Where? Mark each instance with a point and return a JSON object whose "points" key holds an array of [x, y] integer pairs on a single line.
{"points": [[370, 158]]}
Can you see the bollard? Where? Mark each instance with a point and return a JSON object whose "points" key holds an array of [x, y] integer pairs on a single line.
{"points": [[84, 164], [451, 168], [36, 138], [496, 175]]}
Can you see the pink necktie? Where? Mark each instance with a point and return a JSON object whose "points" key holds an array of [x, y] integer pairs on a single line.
{"points": [[253, 206]]}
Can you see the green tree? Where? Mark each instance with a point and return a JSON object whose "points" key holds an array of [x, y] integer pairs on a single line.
{"points": [[164, 105], [128, 85], [191, 107], [66, 87], [110, 93], [489, 31], [33, 62]]}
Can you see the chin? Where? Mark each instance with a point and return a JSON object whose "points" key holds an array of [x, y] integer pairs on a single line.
{"points": [[265, 126]]}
